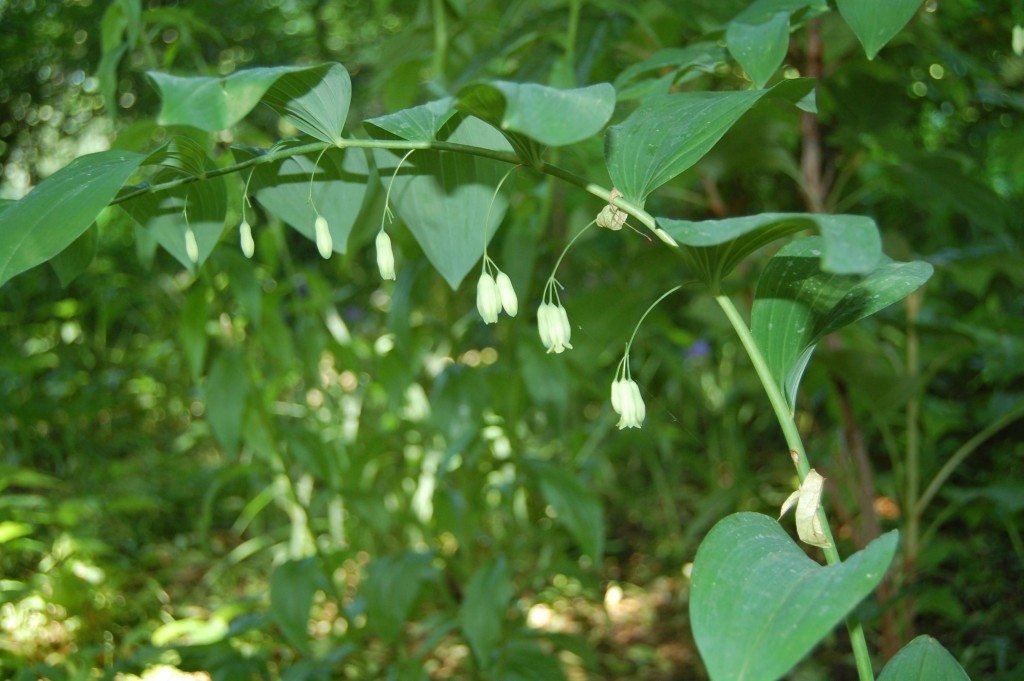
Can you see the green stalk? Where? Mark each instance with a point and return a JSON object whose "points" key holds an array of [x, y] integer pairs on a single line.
{"points": [[784, 416], [313, 147]]}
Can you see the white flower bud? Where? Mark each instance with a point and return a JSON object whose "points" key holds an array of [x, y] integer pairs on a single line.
{"points": [[245, 238], [385, 256], [191, 245], [324, 242], [628, 403], [1017, 40], [507, 294], [488, 301]]}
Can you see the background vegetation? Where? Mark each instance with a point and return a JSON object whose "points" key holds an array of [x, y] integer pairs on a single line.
{"points": [[383, 431]]}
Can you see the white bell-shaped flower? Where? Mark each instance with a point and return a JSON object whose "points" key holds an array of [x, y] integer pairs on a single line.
{"points": [[507, 294], [628, 403], [488, 300], [245, 239], [553, 325], [385, 256], [324, 242]]}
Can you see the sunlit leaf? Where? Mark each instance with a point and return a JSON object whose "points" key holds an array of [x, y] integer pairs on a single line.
{"points": [[59, 209], [667, 134], [292, 191], [417, 124], [444, 197], [313, 98], [797, 304], [850, 243], [758, 604], [922, 659], [548, 115], [169, 215], [876, 21]]}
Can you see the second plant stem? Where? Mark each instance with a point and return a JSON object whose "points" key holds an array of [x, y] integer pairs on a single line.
{"points": [[784, 415]]}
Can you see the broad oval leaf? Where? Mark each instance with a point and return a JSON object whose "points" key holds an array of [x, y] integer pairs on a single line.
{"points": [[163, 216], [60, 208], [548, 115], [417, 124], [444, 198], [667, 134], [797, 304], [924, 658], [759, 48], [851, 244], [293, 584], [314, 98], [758, 604], [875, 22], [337, 185]]}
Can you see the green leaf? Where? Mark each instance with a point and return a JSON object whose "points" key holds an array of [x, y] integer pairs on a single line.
{"points": [[59, 209], [73, 260], [338, 189], [444, 197], [225, 392], [548, 115], [758, 604], [759, 48], [483, 608], [851, 244], [875, 22], [293, 584], [163, 215], [393, 583], [418, 124], [11, 530], [313, 98], [761, 11], [704, 56], [797, 304], [525, 660], [667, 134], [192, 328], [922, 659], [575, 505]]}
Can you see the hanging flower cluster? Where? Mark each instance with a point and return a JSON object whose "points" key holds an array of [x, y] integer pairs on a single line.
{"points": [[626, 399], [553, 321], [494, 293]]}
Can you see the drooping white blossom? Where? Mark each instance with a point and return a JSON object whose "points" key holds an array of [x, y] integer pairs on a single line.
{"points": [[507, 294], [191, 245], [245, 239], [488, 300], [385, 256], [324, 241]]}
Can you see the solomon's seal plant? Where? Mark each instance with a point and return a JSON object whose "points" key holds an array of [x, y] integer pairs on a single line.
{"points": [[758, 603]]}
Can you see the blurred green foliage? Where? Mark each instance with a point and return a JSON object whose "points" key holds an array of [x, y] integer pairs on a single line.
{"points": [[468, 491]]}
